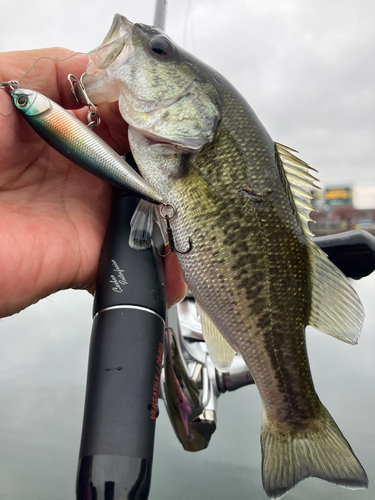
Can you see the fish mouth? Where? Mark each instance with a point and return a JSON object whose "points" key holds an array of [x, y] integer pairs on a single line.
{"points": [[116, 48], [113, 75], [103, 79]]}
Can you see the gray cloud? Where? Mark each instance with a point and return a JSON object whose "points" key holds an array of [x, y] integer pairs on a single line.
{"points": [[305, 67]]}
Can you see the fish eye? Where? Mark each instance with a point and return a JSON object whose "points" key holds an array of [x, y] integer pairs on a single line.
{"points": [[160, 46], [22, 100]]}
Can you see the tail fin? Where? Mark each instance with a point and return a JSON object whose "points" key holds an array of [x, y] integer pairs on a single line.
{"points": [[318, 450]]}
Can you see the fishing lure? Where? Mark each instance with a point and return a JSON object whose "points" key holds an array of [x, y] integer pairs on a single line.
{"points": [[77, 142]]}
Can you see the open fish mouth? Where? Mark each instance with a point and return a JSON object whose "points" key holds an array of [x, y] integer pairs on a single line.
{"points": [[136, 65], [105, 73], [105, 60]]}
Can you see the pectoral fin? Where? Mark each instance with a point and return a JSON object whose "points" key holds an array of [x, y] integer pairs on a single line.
{"points": [[142, 225]]}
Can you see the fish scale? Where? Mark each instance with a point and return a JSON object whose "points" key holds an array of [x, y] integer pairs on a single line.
{"points": [[246, 238], [243, 201]]}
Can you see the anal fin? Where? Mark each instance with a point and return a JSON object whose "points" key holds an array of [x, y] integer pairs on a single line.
{"points": [[221, 353]]}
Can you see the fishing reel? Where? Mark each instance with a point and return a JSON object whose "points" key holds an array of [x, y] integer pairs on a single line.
{"points": [[190, 384]]}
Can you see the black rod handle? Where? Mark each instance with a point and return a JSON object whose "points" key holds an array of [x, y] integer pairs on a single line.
{"points": [[353, 252], [125, 356]]}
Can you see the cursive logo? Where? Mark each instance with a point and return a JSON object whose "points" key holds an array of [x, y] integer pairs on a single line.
{"points": [[117, 278]]}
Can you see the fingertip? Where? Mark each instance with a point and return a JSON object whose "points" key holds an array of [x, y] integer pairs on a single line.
{"points": [[117, 126], [46, 71], [74, 63], [174, 280]]}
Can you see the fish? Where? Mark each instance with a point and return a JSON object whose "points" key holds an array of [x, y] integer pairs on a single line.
{"points": [[241, 206], [77, 142]]}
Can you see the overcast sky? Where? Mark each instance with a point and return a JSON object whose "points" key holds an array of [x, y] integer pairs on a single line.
{"points": [[306, 67]]}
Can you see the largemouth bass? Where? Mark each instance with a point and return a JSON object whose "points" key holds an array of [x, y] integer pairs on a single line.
{"points": [[243, 202]]}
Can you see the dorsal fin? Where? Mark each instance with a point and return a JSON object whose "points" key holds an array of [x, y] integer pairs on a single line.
{"points": [[302, 183], [336, 308]]}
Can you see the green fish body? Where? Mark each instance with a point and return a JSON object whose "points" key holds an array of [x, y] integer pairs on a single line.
{"points": [[243, 203]]}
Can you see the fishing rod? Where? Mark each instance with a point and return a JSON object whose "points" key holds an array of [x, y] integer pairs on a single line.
{"points": [[125, 357]]}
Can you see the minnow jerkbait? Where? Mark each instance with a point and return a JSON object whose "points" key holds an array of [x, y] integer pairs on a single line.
{"points": [[77, 142]]}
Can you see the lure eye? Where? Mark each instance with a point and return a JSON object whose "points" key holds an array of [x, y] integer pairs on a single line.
{"points": [[160, 46], [22, 101]]}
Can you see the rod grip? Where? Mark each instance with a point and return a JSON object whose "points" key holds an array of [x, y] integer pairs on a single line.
{"points": [[125, 356], [353, 252]]}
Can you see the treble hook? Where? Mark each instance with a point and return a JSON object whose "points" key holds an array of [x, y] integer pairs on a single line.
{"points": [[167, 218], [80, 94]]}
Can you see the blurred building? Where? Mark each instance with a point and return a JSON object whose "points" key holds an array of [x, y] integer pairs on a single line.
{"points": [[344, 207], [338, 195]]}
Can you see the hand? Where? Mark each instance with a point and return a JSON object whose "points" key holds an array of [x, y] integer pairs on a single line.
{"points": [[53, 214]]}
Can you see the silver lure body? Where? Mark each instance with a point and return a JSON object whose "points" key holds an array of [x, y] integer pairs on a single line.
{"points": [[77, 142]]}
